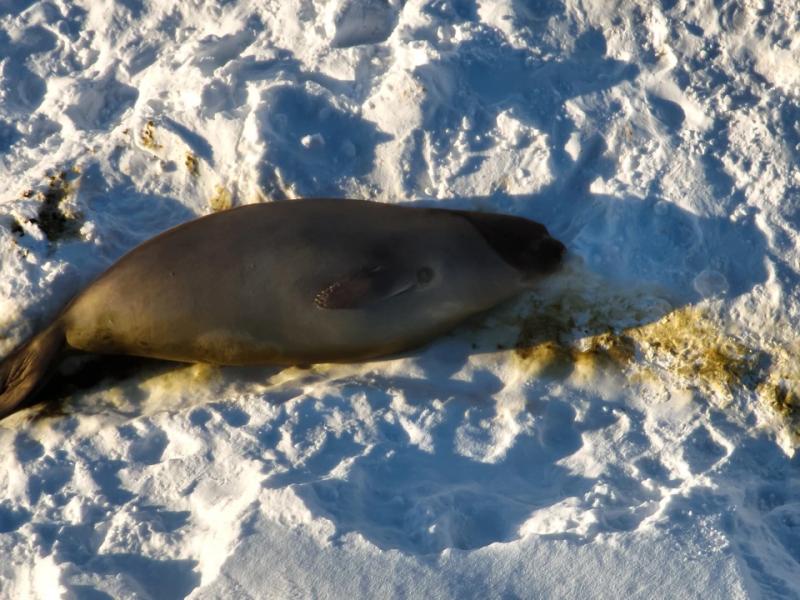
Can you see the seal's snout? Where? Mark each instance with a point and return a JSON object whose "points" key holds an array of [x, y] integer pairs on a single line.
{"points": [[524, 244], [549, 254]]}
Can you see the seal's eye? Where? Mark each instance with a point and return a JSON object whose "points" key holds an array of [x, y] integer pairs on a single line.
{"points": [[424, 275]]}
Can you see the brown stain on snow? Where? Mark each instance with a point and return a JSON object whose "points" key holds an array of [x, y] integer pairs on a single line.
{"points": [[148, 136], [192, 163], [55, 220]]}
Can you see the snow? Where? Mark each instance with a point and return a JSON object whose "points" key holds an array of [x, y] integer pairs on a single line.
{"points": [[628, 430]]}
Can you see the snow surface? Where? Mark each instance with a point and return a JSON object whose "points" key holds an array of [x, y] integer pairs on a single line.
{"points": [[626, 432]]}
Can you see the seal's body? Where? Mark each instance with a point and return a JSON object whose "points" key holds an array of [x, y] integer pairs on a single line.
{"points": [[290, 283]]}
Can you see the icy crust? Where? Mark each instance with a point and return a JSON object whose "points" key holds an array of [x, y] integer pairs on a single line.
{"points": [[628, 430]]}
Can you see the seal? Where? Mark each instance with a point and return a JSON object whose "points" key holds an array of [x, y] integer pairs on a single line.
{"points": [[292, 282]]}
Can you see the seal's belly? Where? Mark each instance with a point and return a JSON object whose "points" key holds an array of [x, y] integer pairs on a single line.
{"points": [[245, 323], [332, 336]]}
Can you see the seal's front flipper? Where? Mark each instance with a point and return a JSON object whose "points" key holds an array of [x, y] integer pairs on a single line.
{"points": [[365, 286], [26, 369]]}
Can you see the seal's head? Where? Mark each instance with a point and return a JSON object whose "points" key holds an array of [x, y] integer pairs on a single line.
{"points": [[524, 244]]}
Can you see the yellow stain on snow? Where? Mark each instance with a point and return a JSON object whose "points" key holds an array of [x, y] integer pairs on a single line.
{"points": [[221, 199], [571, 337]]}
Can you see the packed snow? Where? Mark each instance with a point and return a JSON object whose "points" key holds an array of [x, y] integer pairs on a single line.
{"points": [[628, 430]]}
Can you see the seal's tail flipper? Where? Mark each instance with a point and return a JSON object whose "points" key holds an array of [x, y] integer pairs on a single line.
{"points": [[26, 369]]}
